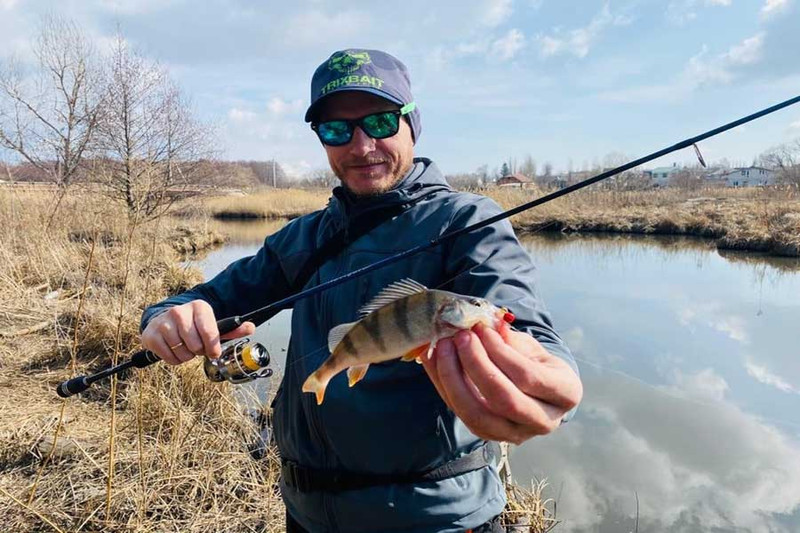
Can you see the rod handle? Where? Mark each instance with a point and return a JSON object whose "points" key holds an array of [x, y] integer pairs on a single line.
{"points": [[226, 325], [73, 386], [144, 358]]}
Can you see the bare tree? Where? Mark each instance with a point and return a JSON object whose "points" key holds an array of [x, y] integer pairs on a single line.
{"points": [[687, 178], [49, 118], [322, 177], [152, 148], [785, 161], [529, 167]]}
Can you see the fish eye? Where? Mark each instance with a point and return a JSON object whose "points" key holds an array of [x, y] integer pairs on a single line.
{"points": [[475, 302]]}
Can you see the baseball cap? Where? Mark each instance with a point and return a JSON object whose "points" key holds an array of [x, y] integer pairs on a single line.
{"points": [[371, 71]]}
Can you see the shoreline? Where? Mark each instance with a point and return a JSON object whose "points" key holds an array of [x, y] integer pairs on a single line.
{"points": [[763, 221]]}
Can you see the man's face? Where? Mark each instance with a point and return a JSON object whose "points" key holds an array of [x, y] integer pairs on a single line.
{"points": [[365, 165]]}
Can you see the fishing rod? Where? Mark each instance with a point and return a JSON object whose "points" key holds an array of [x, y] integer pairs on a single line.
{"points": [[239, 364]]}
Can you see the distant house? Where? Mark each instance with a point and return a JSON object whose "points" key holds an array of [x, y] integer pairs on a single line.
{"points": [[514, 180], [748, 177], [661, 176]]}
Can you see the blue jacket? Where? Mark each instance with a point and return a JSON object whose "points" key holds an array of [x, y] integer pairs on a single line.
{"points": [[393, 421]]}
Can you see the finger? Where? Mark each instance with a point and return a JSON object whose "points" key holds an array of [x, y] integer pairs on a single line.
{"points": [[207, 329], [429, 364], [544, 381], [246, 328], [503, 397], [466, 406], [180, 351], [159, 347]]}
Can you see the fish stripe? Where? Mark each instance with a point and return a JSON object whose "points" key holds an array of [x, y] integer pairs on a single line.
{"points": [[400, 311], [430, 305], [347, 344], [372, 325]]}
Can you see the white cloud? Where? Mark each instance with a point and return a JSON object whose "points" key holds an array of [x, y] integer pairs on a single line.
{"points": [[695, 460], [702, 69], [746, 53], [278, 106], [773, 7], [762, 374], [507, 46], [8, 4], [795, 125], [724, 3], [497, 12], [238, 115], [706, 384], [578, 42]]}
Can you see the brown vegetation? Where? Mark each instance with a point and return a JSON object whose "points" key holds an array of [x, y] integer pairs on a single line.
{"points": [[760, 220], [179, 457]]}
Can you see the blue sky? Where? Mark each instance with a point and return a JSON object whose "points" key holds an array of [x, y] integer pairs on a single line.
{"points": [[568, 82]]}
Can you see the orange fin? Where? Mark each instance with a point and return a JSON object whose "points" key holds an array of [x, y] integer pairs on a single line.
{"points": [[356, 373], [415, 353], [315, 385]]}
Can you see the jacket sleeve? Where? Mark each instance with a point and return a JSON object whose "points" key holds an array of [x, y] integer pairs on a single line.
{"points": [[244, 286], [491, 263]]}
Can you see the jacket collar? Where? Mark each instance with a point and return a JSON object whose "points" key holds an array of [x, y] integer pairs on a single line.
{"points": [[421, 180]]}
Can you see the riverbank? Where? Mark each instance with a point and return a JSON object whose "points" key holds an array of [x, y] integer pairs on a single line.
{"points": [[165, 449], [756, 220]]}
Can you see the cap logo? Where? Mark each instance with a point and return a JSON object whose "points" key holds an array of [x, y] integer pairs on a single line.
{"points": [[348, 61]]}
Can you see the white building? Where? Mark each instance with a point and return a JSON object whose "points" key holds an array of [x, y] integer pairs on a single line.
{"points": [[748, 177], [661, 176]]}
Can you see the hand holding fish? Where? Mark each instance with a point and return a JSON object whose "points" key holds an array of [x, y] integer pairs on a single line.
{"points": [[503, 389]]}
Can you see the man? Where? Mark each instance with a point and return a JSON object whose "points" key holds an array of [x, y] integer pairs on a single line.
{"points": [[404, 450]]}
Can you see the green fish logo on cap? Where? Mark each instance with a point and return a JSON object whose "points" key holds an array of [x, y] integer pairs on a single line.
{"points": [[348, 61]]}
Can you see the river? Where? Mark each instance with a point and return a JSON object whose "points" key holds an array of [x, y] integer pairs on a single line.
{"points": [[690, 361]]}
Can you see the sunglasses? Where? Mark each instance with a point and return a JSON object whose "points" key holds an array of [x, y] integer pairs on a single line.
{"points": [[377, 125]]}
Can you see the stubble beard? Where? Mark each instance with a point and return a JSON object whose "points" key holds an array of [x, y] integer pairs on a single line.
{"points": [[380, 189]]}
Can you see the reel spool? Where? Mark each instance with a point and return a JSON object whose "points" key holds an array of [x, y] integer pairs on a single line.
{"points": [[240, 362]]}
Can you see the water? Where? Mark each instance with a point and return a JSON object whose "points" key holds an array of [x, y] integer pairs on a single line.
{"points": [[692, 385]]}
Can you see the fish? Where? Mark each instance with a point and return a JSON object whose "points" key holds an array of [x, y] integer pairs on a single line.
{"points": [[405, 320]]}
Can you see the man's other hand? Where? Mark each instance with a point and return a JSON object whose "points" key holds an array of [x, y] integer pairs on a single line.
{"points": [[503, 390], [183, 331]]}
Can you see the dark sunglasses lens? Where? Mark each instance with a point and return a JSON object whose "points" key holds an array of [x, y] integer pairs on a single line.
{"points": [[334, 132], [381, 125]]}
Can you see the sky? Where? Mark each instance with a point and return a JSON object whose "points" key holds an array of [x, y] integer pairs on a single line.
{"points": [[571, 83]]}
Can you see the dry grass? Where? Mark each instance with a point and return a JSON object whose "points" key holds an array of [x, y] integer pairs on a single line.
{"points": [[262, 203], [760, 220], [529, 511], [181, 460]]}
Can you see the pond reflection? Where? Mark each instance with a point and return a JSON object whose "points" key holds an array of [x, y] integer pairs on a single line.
{"points": [[692, 388], [692, 383]]}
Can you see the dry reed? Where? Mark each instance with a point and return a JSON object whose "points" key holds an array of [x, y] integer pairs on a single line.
{"points": [[181, 458], [760, 219], [261, 203]]}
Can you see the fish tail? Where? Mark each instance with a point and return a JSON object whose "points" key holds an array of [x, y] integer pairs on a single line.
{"points": [[317, 383]]}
